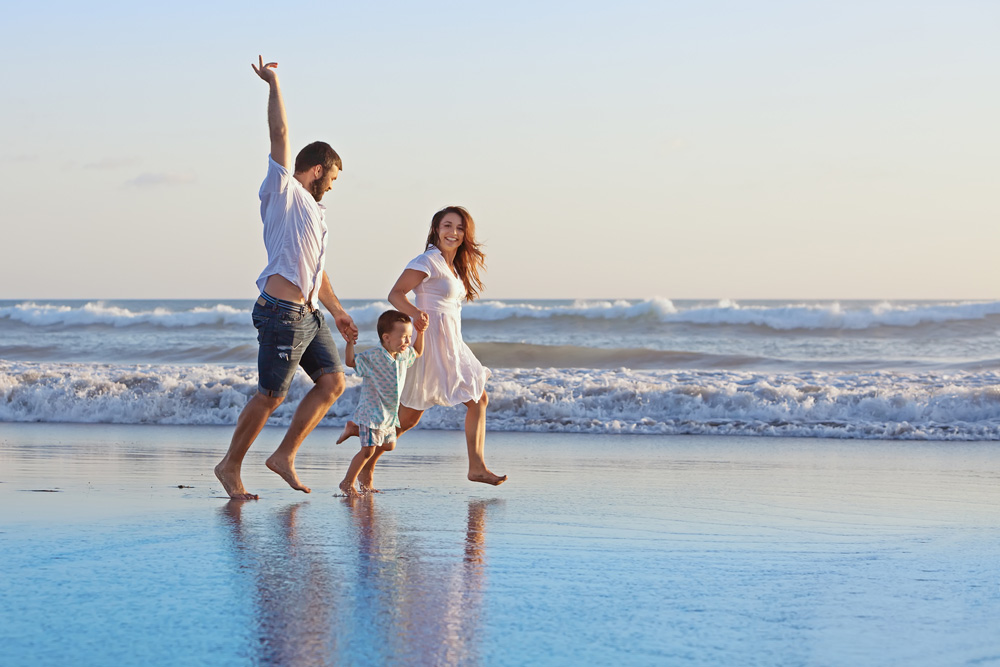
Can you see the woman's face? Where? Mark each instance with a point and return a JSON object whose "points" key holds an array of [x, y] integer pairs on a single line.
{"points": [[451, 232]]}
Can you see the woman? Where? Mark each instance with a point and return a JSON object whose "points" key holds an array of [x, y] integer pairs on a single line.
{"points": [[447, 373]]}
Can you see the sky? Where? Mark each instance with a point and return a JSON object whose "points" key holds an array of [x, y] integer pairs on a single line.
{"points": [[680, 149]]}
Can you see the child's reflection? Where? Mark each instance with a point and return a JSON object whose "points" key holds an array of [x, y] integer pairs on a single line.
{"points": [[390, 593]]}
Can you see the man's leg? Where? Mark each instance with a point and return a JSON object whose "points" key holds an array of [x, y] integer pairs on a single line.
{"points": [[248, 426], [311, 410]]}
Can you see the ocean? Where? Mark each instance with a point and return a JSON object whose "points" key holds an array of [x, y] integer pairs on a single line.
{"points": [[848, 369]]}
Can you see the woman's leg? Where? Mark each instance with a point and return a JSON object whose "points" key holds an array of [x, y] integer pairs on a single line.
{"points": [[408, 418], [475, 440]]}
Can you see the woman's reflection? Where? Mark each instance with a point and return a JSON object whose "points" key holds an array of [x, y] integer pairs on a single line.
{"points": [[388, 592]]}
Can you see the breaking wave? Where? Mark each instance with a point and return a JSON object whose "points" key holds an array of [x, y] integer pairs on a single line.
{"points": [[876, 405]]}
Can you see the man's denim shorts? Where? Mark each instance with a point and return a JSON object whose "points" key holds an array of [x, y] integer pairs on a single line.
{"points": [[290, 338]]}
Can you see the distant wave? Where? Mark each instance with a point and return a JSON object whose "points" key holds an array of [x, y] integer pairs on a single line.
{"points": [[45, 315], [783, 317], [777, 317], [879, 405]]}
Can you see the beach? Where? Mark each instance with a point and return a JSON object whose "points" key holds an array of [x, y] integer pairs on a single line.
{"points": [[120, 547]]}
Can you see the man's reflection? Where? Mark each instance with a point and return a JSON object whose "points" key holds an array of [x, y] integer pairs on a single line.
{"points": [[295, 595], [386, 593]]}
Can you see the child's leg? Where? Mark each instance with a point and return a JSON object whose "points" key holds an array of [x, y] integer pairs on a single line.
{"points": [[357, 463], [369, 439], [368, 470], [350, 428], [408, 418]]}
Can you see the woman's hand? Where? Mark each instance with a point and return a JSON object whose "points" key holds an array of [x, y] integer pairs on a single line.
{"points": [[420, 322]]}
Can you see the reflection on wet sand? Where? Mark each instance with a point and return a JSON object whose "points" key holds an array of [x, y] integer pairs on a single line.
{"points": [[392, 592], [294, 592]]}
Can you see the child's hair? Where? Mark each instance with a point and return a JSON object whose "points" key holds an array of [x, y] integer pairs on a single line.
{"points": [[388, 319]]}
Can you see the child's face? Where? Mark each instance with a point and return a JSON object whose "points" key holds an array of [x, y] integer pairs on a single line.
{"points": [[399, 339]]}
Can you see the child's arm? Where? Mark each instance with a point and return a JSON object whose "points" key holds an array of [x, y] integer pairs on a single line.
{"points": [[418, 344], [349, 354]]}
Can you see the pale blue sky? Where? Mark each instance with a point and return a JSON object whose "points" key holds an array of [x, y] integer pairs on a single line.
{"points": [[631, 149]]}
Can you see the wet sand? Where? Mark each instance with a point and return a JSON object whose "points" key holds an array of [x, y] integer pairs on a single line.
{"points": [[119, 547]]}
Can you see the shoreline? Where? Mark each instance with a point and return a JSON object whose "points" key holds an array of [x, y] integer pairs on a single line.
{"points": [[654, 549]]}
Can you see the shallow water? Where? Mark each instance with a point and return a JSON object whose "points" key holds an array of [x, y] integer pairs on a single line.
{"points": [[601, 549]]}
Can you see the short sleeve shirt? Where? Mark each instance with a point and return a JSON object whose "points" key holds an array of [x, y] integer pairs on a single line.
{"points": [[441, 288], [383, 378], [294, 232]]}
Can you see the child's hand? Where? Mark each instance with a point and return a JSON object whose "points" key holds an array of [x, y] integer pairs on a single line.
{"points": [[420, 323]]}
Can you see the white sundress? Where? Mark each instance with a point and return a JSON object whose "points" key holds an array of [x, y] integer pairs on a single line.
{"points": [[447, 373]]}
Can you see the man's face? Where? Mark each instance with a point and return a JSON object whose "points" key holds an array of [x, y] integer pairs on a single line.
{"points": [[324, 181]]}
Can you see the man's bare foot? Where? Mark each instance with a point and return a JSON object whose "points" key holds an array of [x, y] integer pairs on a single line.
{"points": [[349, 490], [232, 484], [286, 469], [365, 480], [350, 428], [488, 478]]}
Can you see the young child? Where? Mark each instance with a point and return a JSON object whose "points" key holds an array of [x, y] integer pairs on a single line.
{"points": [[383, 370]]}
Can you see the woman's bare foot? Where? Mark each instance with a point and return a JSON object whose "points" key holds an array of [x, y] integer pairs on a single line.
{"points": [[349, 490], [367, 488], [350, 429], [232, 484], [286, 469], [487, 478]]}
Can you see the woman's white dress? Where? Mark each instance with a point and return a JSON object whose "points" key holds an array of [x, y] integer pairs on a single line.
{"points": [[447, 373]]}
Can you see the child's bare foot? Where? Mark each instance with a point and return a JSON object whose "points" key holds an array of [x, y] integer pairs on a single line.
{"points": [[286, 469], [365, 480], [350, 429], [349, 490], [232, 483], [487, 478]]}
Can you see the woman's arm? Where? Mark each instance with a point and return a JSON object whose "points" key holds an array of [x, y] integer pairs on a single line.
{"points": [[405, 284]]}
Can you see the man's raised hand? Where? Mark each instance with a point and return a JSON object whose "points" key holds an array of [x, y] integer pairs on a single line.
{"points": [[266, 72]]}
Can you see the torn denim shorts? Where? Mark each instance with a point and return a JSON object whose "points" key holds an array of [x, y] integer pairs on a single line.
{"points": [[289, 338]]}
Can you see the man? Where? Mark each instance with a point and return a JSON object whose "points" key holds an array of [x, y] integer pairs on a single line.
{"points": [[290, 328]]}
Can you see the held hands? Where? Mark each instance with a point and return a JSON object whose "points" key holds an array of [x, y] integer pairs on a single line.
{"points": [[346, 326], [421, 321], [266, 72]]}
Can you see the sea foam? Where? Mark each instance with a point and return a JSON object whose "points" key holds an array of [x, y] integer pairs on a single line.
{"points": [[877, 405]]}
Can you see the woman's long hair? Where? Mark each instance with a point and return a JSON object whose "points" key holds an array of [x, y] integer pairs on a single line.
{"points": [[469, 260]]}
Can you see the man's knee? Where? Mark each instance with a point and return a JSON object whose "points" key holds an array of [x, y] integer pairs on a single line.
{"points": [[332, 385], [266, 402]]}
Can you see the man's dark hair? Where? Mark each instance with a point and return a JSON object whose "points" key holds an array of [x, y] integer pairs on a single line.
{"points": [[388, 319], [318, 152]]}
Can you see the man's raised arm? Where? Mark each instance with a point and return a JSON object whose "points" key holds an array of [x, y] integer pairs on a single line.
{"points": [[277, 123]]}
